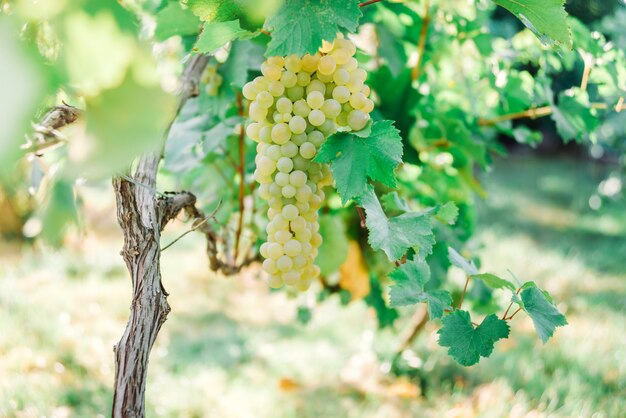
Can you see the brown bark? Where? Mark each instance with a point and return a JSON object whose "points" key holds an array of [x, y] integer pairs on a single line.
{"points": [[142, 216]]}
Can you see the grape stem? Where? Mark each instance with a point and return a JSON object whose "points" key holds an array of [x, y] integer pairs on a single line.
{"points": [[464, 292], [359, 210]]}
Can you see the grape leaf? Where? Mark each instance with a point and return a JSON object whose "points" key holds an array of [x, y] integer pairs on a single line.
{"points": [[215, 35], [125, 121], [244, 55], [458, 260], [545, 18], [393, 201], [214, 10], [544, 314], [397, 234], [300, 25], [60, 210], [174, 20], [573, 116], [354, 159], [467, 344], [448, 213], [494, 281], [408, 289]]}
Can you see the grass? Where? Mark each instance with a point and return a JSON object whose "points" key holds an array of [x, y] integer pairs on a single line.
{"points": [[233, 349]]}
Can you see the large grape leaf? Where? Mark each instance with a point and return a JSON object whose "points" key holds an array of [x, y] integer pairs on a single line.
{"points": [[300, 25], [354, 158], [397, 234], [124, 121], [408, 289], [544, 314], [546, 18], [467, 344]]}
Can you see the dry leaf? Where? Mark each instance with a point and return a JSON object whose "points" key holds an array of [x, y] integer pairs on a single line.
{"points": [[353, 274]]}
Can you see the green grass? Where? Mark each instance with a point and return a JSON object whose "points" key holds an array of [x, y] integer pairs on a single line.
{"points": [[231, 348]]}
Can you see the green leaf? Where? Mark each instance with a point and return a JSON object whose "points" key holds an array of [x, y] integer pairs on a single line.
{"points": [[125, 121], [397, 234], [494, 281], [544, 314], [393, 201], [448, 213], [461, 262], [408, 289], [354, 159], [300, 25], [545, 18], [214, 10], [174, 20], [244, 55], [24, 82], [573, 115], [386, 316], [59, 211], [467, 344], [215, 35], [334, 248]]}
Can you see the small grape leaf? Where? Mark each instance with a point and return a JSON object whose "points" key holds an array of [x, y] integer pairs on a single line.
{"points": [[408, 289], [300, 25], [494, 281], [544, 314], [545, 18], [573, 115], [458, 260], [467, 344], [397, 234], [174, 20], [354, 159], [393, 201], [215, 35], [448, 213]]}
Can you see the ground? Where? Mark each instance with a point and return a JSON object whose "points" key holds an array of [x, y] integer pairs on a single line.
{"points": [[232, 349]]}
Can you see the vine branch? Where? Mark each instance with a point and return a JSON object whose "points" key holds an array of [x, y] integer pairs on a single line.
{"points": [[537, 112]]}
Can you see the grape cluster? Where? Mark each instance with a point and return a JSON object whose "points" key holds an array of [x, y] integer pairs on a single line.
{"points": [[212, 80], [295, 105]]}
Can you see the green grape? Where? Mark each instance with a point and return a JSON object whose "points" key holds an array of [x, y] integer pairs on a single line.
{"points": [[315, 100], [295, 105]]}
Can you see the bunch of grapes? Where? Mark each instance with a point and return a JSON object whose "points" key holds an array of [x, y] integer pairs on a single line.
{"points": [[295, 105], [212, 79]]}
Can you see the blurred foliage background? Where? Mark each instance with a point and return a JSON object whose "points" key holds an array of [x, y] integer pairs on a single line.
{"points": [[541, 197]]}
